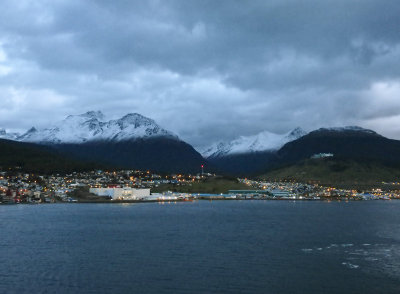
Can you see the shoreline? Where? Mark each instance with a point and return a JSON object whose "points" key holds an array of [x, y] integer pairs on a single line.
{"points": [[194, 200]]}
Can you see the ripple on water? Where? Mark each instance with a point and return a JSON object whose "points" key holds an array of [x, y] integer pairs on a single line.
{"points": [[372, 257], [308, 250], [350, 265]]}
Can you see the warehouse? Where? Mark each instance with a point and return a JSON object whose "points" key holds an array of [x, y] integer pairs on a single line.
{"points": [[121, 193]]}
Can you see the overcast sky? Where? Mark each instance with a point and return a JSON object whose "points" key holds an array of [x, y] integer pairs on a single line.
{"points": [[206, 70]]}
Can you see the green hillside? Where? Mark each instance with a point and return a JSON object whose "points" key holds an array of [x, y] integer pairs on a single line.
{"points": [[338, 172], [36, 158], [215, 185]]}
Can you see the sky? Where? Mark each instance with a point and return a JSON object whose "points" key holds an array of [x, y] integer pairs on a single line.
{"points": [[206, 70]]}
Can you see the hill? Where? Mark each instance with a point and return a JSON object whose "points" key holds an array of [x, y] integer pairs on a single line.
{"points": [[339, 172], [347, 143], [37, 158], [214, 185], [360, 156]]}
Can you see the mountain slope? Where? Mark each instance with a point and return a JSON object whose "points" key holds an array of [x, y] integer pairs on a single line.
{"points": [[160, 154], [246, 164], [336, 172], [37, 158]]}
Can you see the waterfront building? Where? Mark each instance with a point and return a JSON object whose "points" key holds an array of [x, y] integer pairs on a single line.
{"points": [[121, 193]]}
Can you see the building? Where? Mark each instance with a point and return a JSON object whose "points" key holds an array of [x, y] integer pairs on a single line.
{"points": [[322, 155], [277, 193], [245, 192], [121, 193]]}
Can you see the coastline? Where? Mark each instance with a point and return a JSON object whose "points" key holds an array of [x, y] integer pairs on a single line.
{"points": [[326, 199]]}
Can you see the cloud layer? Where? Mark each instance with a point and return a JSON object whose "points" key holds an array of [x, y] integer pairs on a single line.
{"points": [[207, 70]]}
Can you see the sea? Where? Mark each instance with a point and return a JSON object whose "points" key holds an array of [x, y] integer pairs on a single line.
{"points": [[248, 246]]}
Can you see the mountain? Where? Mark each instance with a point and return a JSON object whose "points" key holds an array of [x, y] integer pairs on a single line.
{"points": [[347, 142], [138, 142], [251, 154], [358, 156], [133, 141], [264, 141], [91, 126], [352, 144]]}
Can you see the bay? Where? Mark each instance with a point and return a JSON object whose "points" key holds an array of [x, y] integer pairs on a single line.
{"points": [[201, 247]]}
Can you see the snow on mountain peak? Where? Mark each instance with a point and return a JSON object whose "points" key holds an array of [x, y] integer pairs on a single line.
{"points": [[95, 114], [264, 141], [135, 116], [91, 126], [296, 133], [136, 119], [8, 136]]}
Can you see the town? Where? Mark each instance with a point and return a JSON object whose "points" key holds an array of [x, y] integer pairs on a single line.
{"points": [[134, 186]]}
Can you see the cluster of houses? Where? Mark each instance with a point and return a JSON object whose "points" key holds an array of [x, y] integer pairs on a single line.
{"points": [[295, 190], [137, 185], [22, 188], [19, 187]]}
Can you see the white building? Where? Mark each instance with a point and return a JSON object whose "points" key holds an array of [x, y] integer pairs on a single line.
{"points": [[121, 193], [322, 155]]}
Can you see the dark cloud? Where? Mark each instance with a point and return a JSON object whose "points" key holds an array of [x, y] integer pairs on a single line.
{"points": [[207, 70]]}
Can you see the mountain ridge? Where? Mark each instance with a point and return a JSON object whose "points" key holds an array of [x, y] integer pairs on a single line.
{"points": [[135, 141], [347, 143], [92, 126], [261, 142], [132, 141]]}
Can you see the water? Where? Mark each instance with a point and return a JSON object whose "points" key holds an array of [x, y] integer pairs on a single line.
{"points": [[201, 247]]}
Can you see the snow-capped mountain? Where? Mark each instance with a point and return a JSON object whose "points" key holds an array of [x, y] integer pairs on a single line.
{"points": [[264, 141], [91, 126], [8, 136], [132, 142]]}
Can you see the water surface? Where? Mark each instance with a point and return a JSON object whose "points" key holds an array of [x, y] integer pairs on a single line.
{"points": [[201, 247]]}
